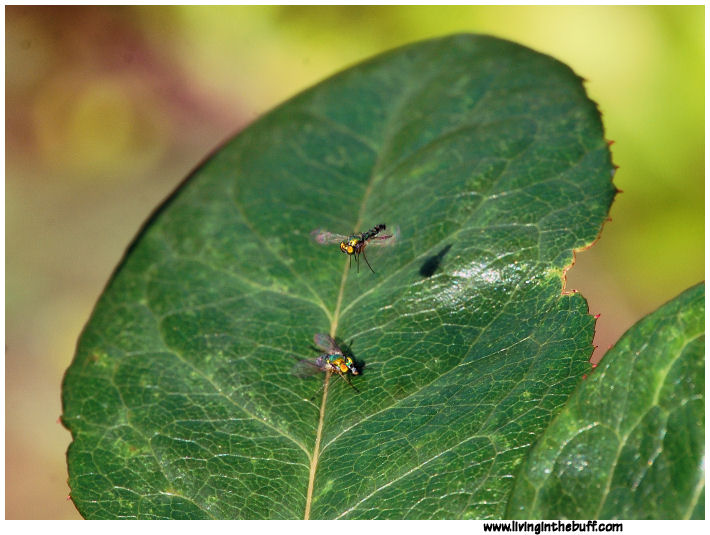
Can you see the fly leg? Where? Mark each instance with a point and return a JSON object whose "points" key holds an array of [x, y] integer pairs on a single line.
{"points": [[368, 263], [343, 377]]}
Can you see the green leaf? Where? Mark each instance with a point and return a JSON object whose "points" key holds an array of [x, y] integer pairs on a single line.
{"points": [[490, 161], [631, 441]]}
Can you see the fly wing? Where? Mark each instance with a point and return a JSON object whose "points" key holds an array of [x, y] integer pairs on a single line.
{"points": [[326, 343], [324, 237], [305, 368], [385, 239]]}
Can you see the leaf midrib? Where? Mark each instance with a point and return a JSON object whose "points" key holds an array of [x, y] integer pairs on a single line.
{"points": [[335, 318], [333, 329]]}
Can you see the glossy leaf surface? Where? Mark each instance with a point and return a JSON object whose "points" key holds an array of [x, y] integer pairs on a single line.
{"points": [[630, 443], [490, 161]]}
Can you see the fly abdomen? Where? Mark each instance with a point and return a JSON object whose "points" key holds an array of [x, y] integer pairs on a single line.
{"points": [[374, 231]]}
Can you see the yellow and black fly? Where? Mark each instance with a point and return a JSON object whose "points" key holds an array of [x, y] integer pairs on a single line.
{"points": [[332, 360], [354, 245]]}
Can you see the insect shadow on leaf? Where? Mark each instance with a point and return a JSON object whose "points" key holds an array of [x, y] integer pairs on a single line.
{"points": [[432, 263]]}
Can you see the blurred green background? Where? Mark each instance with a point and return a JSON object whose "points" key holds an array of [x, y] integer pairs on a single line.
{"points": [[109, 108]]}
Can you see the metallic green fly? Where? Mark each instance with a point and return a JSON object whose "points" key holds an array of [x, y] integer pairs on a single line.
{"points": [[332, 360]]}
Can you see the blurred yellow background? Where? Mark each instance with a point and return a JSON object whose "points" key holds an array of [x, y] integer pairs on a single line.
{"points": [[109, 108]]}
